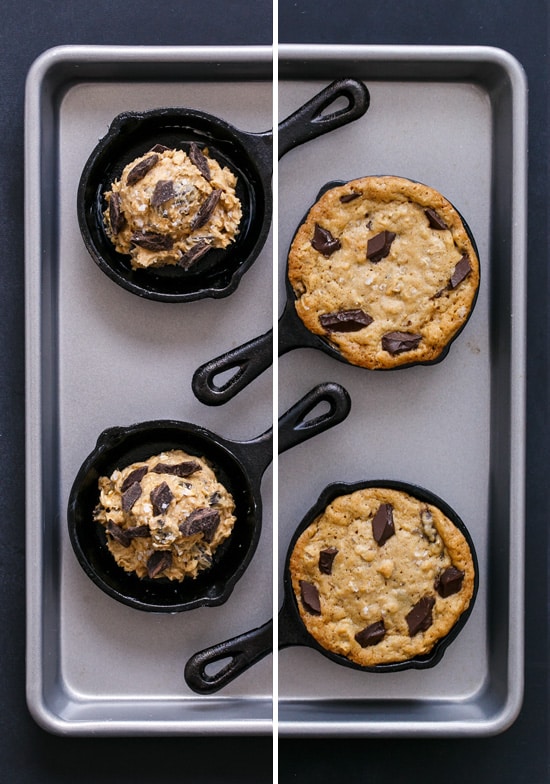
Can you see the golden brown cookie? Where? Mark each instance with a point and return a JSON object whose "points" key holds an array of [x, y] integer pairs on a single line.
{"points": [[165, 516], [381, 576], [171, 207], [384, 269]]}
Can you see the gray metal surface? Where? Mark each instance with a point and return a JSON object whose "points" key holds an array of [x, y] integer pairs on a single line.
{"points": [[99, 356], [454, 118]]}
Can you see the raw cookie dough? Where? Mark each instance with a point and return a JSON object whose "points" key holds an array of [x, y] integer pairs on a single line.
{"points": [[381, 576], [171, 207], [384, 270], [165, 516]]}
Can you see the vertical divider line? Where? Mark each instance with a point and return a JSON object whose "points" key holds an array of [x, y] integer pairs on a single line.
{"points": [[275, 268]]}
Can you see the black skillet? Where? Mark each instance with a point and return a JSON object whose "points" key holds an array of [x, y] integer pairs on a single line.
{"points": [[248, 155], [241, 652], [248, 361], [239, 466]]}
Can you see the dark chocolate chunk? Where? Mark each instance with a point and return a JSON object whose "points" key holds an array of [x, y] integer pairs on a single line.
{"points": [[199, 160], [164, 191], [195, 253], [379, 246], [150, 240], [462, 269], [324, 242], [159, 148], [118, 533], [326, 559], [184, 469], [371, 635], [397, 342], [310, 597], [138, 531], [434, 219], [420, 617], [383, 527], [158, 562], [347, 197], [215, 498], [345, 321], [449, 582], [140, 169], [130, 496], [134, 476], [205, 210], [160, 496], [201, 521], [116, 216]]}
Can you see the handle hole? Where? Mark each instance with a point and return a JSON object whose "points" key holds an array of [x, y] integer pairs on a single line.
{"points": [[336, 107], [319, 411], [215, 668], [225, 378]]}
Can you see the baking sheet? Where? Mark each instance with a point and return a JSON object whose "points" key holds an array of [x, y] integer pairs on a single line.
{"points": [[98, 356], [453, 118]]}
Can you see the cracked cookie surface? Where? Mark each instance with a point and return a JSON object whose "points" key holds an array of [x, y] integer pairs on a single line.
{"points": [[385, 271]]}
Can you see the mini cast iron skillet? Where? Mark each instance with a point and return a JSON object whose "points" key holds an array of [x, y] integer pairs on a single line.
{"points": [[245, 649], [248, 155], [251, 359], [239, 466]]}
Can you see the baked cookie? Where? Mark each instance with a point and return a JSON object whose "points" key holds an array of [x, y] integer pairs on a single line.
{"points": [[384, 269], [381, 576], [170, 207], [165, 516]]}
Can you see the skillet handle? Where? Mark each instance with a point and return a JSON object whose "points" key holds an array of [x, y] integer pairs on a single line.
{"points": [[242, 651], [248, 361], [295, 426], [311, 120]]}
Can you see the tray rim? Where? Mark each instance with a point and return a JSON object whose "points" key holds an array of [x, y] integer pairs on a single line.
{"points": [[430, 54], [44, 67], [508, 64]]}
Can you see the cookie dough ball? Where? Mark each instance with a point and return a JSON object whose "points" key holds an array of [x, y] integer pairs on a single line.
{"points": [[381, 576], [384, 270], [171, 207], [165, 516]]}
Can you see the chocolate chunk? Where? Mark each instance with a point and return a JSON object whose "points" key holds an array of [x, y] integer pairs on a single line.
{"points": [[130, 496], [345, 321], [140, 169], [326, 559], [164, 191], [371, 635], [347, 197], [382, 524], [434, 219], [118, 533], [449, 582], [158, 562], [160, 496], [199, 160], [310, 597], [462, 269], [397, 342], [116, 216], [379, 246], [134, 476], [138, 531], [159, 148], [324, 242], [184, 469], [150, 240], [206, 209], [215, 498], [192, 255], [420, 617], [201, 521]]}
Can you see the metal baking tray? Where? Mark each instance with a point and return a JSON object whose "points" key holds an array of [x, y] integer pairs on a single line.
{"points": [[99, 356], [454, 118]]}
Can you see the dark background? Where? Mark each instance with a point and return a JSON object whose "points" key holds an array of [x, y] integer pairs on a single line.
{"points": [[27, 753]]}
